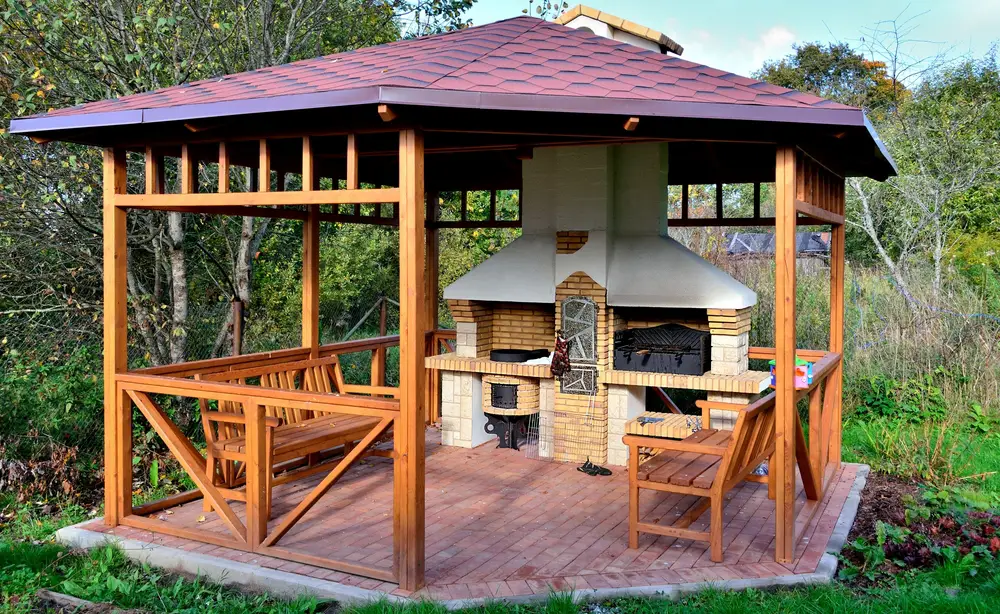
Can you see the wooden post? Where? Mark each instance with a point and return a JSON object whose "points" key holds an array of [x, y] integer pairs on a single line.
{"points": [[264, 167], [310, 259], [409, 429], [223, 168], [237, 327], [431, 296], [378, 354], [257, 468], [837, 275], [783, 469], [117, 406]]}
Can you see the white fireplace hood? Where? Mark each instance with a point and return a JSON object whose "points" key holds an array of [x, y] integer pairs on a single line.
{"points": [[638, 271], [653, 271]]}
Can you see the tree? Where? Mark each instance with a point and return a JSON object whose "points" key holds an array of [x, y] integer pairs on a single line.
{"points": [[56, 53], [835, 71]]}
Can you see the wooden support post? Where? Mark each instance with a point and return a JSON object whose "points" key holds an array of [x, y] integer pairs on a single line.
{"points": [[684, 202], [352, 162], [117, 407], [409, 429], [154, 172], [223, 168], [784, 342], [264, 167], [718, 201], [256, 507], [837, 275], [310, 259], [189, 171], [431, 297]]}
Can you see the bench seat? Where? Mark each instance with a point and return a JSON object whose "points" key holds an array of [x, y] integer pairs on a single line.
{"points": [[309, 436]]}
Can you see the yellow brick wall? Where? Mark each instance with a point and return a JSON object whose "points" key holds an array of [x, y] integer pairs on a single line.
{"points": [[580, 429], [523, 326], [570, 241]]}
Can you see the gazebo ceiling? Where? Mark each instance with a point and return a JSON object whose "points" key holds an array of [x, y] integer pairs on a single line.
{"points": [[522, 82]]}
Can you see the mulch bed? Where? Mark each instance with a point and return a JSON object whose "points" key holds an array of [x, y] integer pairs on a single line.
{"points": [[882, 499]]}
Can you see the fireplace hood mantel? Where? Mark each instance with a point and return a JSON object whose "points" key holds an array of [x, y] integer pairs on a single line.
{"points": [[642, 271]]}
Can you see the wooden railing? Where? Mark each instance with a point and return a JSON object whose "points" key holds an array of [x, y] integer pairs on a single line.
{"points": [[251, 532], [819, 457]]}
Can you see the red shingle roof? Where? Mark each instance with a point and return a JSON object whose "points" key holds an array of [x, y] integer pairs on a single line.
{"points": [[522, 55]]}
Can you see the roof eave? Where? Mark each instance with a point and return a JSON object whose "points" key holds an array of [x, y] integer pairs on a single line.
{"points": [[445, 98]]}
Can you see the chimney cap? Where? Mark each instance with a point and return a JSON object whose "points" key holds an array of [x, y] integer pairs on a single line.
{"points": [[665, 42]]}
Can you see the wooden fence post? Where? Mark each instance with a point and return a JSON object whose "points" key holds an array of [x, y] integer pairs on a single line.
{"points": [[408, 522], [783, 469]]}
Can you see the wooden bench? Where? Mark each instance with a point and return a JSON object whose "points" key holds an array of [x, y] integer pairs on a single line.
{"points": [[295, 439], [707, 463]]}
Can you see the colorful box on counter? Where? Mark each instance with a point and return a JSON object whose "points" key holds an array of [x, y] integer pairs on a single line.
{"points": [[803, 373]]}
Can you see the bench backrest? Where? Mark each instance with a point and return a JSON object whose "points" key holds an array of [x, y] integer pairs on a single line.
{"points": [[315, 375], [752, 442]]}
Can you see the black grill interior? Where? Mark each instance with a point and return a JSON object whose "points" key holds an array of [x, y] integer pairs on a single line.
{"points": [[503, 396]]}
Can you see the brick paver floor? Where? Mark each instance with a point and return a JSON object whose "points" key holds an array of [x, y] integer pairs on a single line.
{"points": [[500, 524]]}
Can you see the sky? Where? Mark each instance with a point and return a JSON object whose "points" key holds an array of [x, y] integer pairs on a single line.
{"points": [[739, 36]]}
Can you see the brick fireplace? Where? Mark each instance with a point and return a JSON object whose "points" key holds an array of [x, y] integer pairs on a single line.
{"points": [[594, 259]]}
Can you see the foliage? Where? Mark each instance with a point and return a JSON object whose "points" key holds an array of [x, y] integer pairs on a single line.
{"points": [[835, 71], [949, 540], [915, 400]]}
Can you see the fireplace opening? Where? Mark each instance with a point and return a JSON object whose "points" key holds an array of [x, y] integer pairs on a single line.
{"points": [[503, 396]]}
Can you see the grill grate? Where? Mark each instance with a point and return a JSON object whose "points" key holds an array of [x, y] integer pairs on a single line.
{"points": [[666, 338]]}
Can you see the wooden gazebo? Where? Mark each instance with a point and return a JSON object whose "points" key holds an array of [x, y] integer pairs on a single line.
{"points": [[458, 111]]}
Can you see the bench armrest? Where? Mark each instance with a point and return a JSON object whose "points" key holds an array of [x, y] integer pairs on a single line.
{"points": [[673, 445]]}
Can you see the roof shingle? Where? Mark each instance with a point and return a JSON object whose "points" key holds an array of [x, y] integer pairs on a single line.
{"points": [[519, 55]]}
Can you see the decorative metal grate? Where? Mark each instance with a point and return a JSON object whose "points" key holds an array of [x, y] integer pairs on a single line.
{"points": [[580, 380], [579, 326]]}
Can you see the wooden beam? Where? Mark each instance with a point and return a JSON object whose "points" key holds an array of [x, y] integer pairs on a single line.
{"points": [[352, 162], [785, 398], [189, 171], [223, 168], [631, 124], [264, 168], [711, 222], [325, 484], [409, 434], [386, 113], [117, 409], [154, 172], [818, 213], [268, 212], [237, 199]]}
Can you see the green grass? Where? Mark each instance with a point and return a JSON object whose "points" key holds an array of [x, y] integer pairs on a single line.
{"points": [[917, 594], [966, 460]]}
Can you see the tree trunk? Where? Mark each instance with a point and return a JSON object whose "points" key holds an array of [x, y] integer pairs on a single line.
{"points": [[178, 288]]}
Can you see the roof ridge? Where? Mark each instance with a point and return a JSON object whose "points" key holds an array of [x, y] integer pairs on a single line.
{"points": [[503, 44]]}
